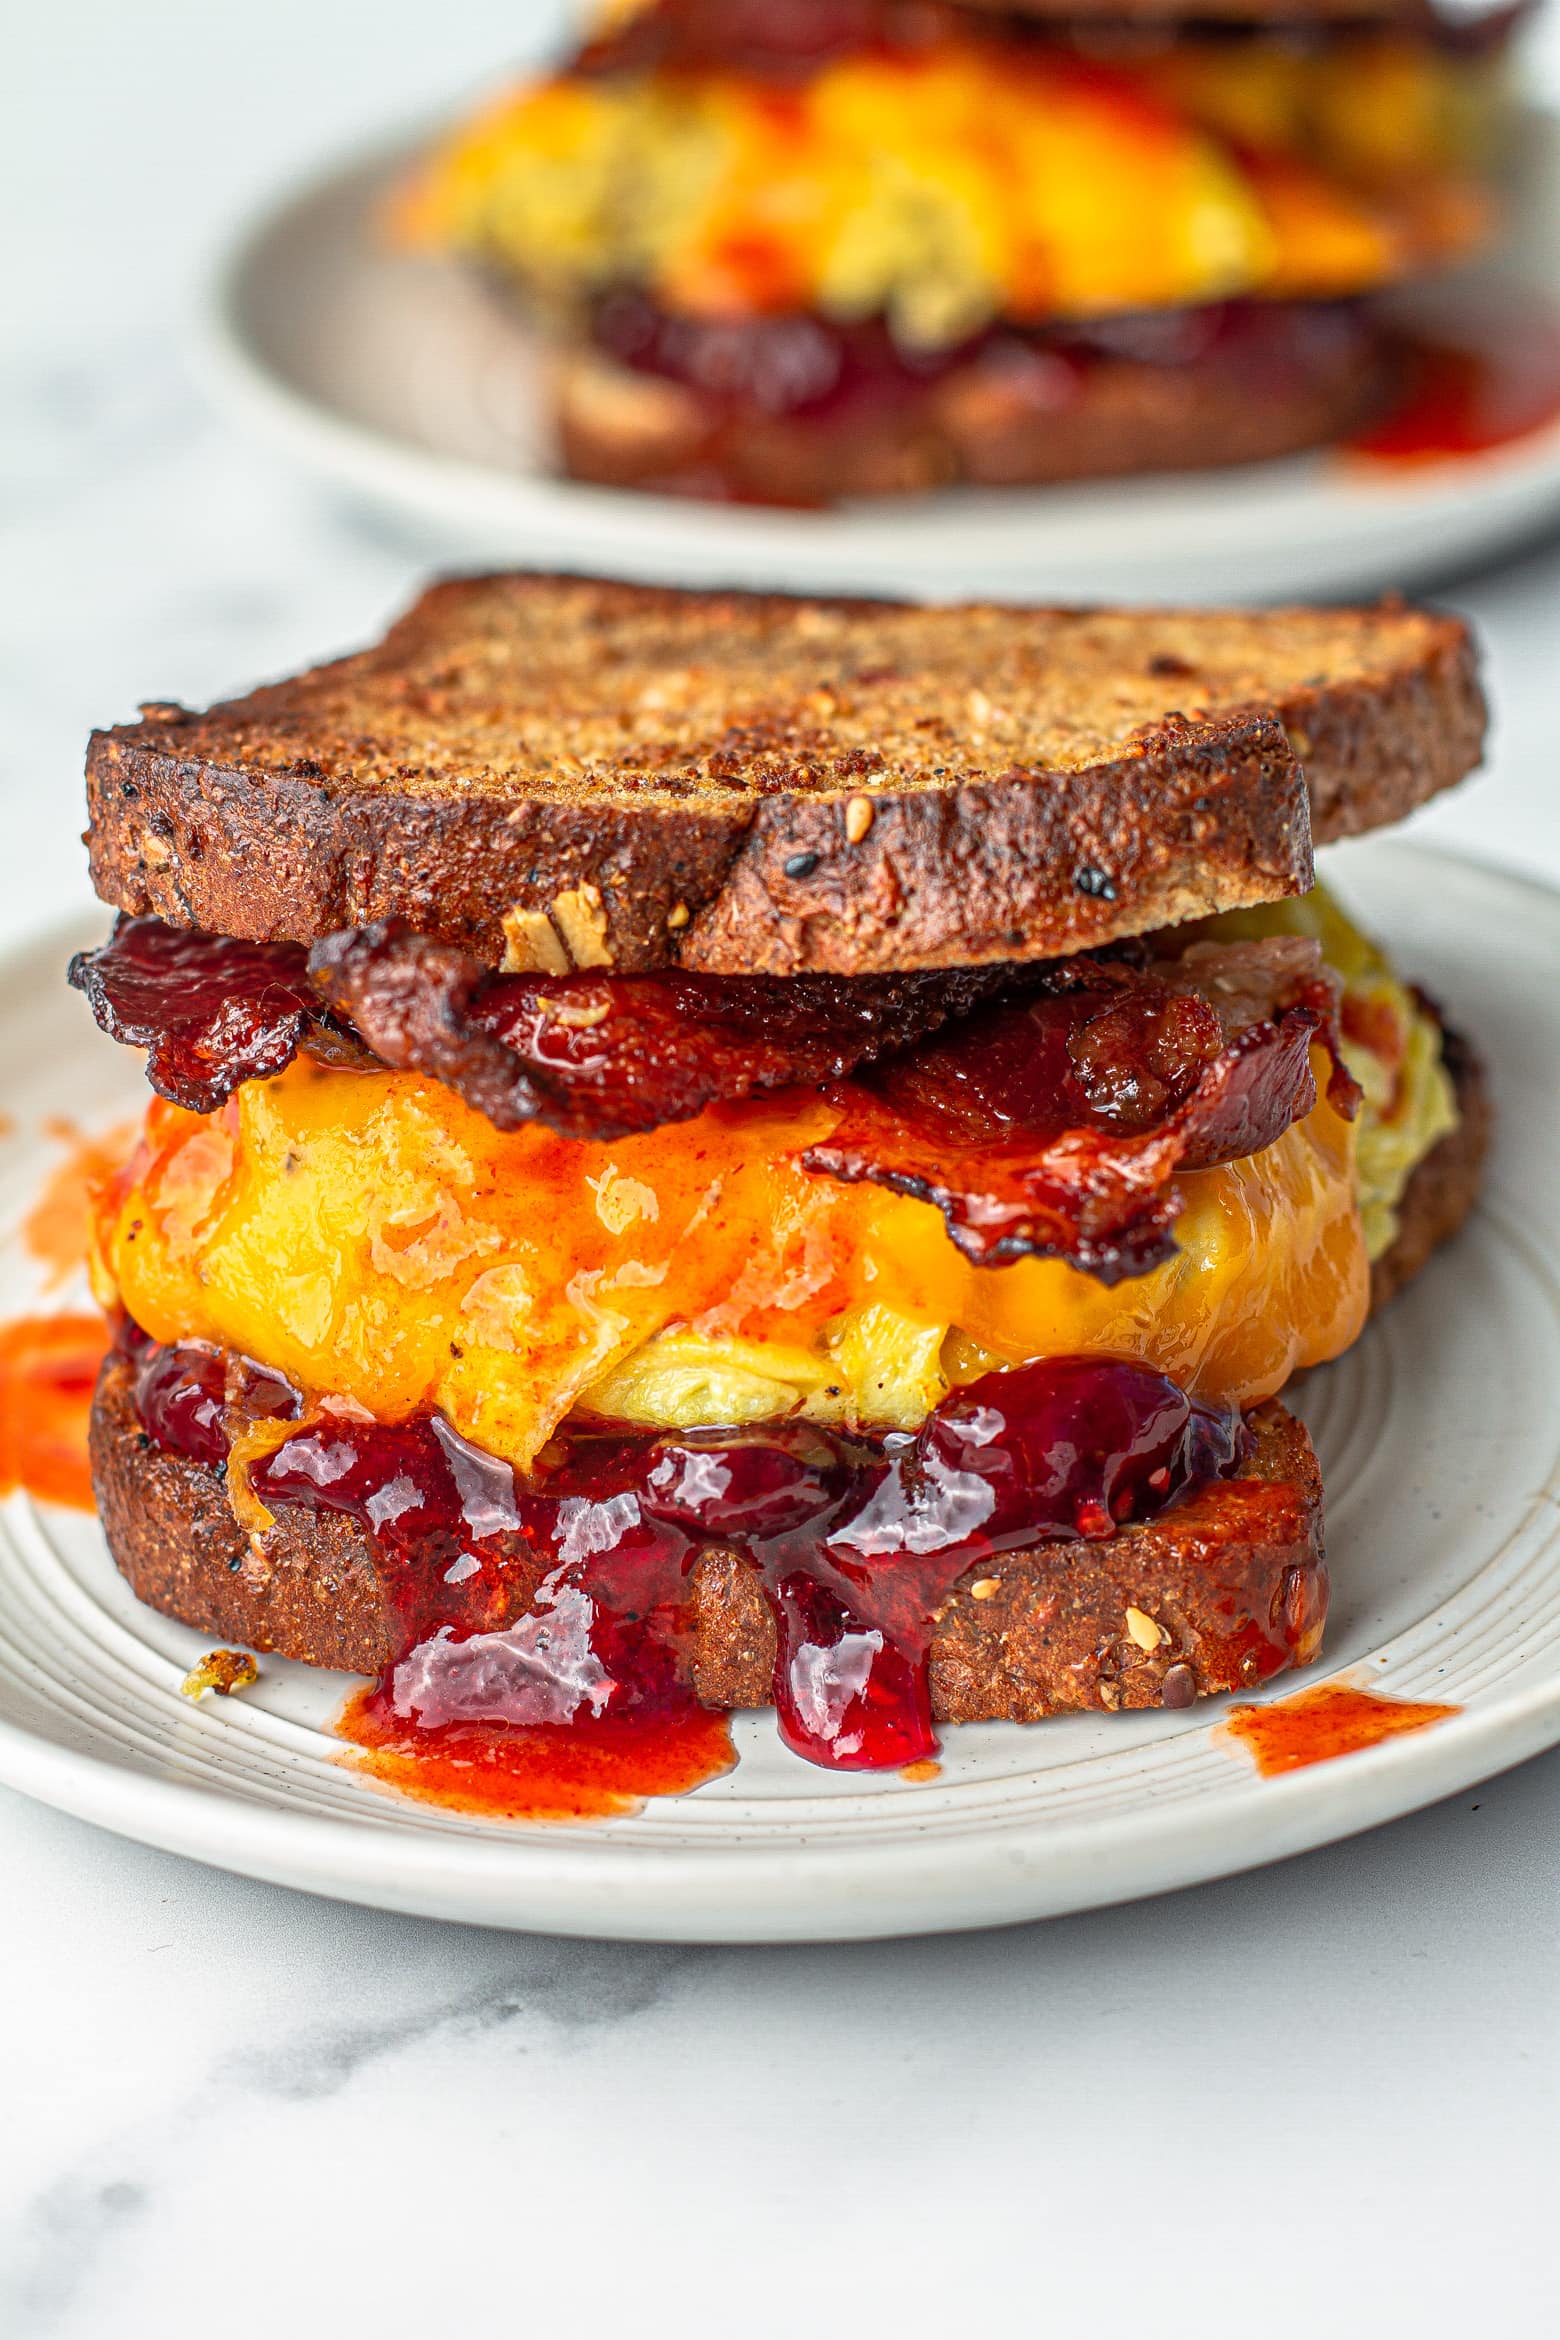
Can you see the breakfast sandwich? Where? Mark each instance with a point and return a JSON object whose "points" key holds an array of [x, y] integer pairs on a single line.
{"points": [[793, 250], [713, 1150]]}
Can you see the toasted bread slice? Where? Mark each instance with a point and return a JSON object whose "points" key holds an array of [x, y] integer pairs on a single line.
{"points": [[751, 783], [1046, 1630]]}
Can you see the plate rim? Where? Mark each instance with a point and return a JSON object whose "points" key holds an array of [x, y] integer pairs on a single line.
{"points": [[584, 1881]]}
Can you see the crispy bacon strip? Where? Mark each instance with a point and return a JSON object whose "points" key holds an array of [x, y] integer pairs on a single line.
{"points": [[591, 1056], [1057, 1126], [212, 1012], [605, 1056]]}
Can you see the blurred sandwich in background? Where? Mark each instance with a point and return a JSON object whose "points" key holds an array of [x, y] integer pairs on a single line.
{"points": [[792, 250]]}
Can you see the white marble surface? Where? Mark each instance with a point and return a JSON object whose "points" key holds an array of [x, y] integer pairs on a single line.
{"points": [[1327, 2094]]}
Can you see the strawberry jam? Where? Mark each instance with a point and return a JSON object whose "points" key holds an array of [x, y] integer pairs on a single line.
{"points": [[562, 1601], [188, 1395], [793, 364]]}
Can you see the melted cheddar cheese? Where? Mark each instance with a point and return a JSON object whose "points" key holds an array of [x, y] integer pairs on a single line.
{"points": [[376, 1239], [975, 179]]}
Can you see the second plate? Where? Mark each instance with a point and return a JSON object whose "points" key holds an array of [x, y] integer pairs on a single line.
{"points": [[403, 382]]}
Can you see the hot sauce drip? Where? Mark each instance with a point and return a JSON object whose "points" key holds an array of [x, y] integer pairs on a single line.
{"points": [[586, 1770], [1331, 1719], [1491, 377], [561, 1602], [48, 1370]]}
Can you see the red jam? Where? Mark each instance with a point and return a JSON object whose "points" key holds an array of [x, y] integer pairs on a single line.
{"points": [[792, 363], [562, 1601], [187, 1395], [1331, 1719]]}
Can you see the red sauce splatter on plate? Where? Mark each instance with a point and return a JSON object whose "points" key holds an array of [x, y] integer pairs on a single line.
{"points": [[48, 1370], [1331, 1719], [1486, 377], [575, 1771]]}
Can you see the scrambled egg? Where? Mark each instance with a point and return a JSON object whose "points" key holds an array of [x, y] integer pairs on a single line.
{"points": [[971, 180], [1390, 1044]]}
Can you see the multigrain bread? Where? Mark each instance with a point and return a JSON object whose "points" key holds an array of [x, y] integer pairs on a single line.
{"points": [[752, 783], [1046, 1631]]}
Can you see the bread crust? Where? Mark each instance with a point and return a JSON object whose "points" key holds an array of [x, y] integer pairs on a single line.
{"points": [[766, 784]]}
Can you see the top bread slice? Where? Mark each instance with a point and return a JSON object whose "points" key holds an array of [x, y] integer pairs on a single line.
{"points": [[553, 770], [1411, 15]]}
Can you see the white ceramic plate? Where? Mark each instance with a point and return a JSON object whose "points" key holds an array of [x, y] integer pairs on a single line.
{"points": [[1440, 1445], [403, 382]]}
